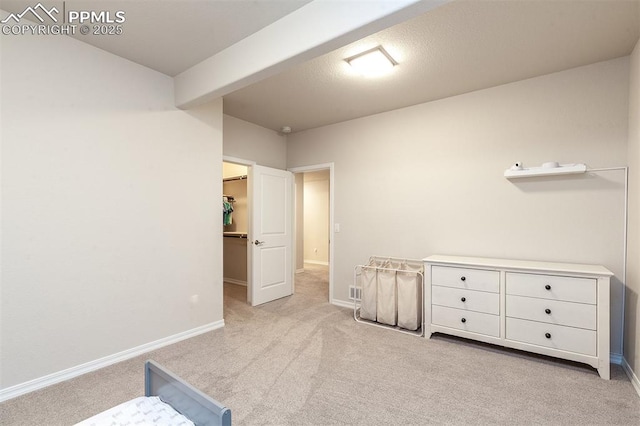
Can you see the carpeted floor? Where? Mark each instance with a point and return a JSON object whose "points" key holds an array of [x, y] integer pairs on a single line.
{"points": [[302, 361]]}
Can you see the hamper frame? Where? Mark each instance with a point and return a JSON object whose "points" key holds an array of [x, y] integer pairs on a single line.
{"points": [[357, 270]]}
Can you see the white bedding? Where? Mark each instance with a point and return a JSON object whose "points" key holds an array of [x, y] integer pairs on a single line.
{"points": [[145, 410]]}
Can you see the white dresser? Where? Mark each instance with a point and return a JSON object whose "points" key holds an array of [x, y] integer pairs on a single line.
{"points": [[555, 309]]}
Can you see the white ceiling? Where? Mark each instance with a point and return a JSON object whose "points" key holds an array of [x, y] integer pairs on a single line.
{"points": [[171, 36], [457, 48]]}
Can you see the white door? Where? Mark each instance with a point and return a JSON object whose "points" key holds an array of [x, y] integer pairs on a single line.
{"points": [[271, 234]]}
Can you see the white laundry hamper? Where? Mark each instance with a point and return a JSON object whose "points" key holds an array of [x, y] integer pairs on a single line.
{"points": [[368, 292], [391, 294], [409, 283], [387, 300]]}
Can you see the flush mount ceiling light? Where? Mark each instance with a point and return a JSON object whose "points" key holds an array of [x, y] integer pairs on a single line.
{"points": [[373, 62]]}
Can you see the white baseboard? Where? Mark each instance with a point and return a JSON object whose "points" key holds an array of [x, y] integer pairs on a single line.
{"points": [[631, 375], [70, 373], [316, 262], [234, 281], [342, 303], [299, 270]]}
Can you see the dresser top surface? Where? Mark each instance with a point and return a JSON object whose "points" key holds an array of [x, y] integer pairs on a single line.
{"points": [[485, 262]]}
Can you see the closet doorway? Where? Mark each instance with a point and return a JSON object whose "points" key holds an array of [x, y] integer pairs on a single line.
{"points": [[235, 228], [314, 225], [257, 231]]}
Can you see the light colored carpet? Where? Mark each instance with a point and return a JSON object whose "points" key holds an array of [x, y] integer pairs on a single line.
{"points": [[301, 361]]}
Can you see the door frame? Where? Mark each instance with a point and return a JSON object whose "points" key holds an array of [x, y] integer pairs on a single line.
{"points": [[315, 168], [249, 164]]}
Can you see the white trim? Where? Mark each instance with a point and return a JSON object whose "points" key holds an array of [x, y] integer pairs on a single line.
{"points": [[299, 270], [342, 303], [316, 262], [236, 160], [234, 281], [70, 373], [332, 191], [631, 375]]}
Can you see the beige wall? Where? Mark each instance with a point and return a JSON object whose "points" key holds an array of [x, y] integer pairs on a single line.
{"points": [[235, 260], [233, 170], [255, 143], [299, 188], [429, 178], [316, 217], [632, 323], [110, 208]]}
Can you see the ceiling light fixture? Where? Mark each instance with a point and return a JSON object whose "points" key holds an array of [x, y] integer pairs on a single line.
{"points": [[373, 62]]}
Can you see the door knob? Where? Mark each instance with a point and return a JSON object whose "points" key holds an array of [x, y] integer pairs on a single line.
{"points": [[258, 243]]}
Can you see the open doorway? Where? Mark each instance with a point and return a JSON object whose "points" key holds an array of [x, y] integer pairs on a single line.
{"points": [[235, 229], [314, 224], [257, 232]]}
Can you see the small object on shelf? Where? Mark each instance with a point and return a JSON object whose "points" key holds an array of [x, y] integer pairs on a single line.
{"points": [[550, 168], [516, 166], [550, 165]]}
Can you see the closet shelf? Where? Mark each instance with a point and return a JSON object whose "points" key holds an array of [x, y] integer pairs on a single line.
{"points": [[235, 234], [229, 179]]}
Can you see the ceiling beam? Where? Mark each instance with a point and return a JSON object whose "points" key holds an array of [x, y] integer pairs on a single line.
{"points": [[313, 30]]}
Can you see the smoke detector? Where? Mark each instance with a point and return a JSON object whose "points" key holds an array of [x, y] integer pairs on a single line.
{"points": [[286, 130]]}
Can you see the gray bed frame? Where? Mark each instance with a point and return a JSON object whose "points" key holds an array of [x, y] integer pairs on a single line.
{"points": [[184, 398]]}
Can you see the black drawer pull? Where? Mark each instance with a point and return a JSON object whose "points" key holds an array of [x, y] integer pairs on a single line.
{"points": [[463, 299], [463, 320], [547, 335], [548, 287], [463, 278], [547, 311]]}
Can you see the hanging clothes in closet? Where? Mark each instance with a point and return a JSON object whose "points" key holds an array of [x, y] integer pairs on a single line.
{"points": [[227, 210]]}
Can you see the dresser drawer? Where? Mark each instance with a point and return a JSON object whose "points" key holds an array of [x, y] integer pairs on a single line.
{"points": [[472, 279], [552, 336], [552, 311], [474, 322], [470, 300], [570, 289]]}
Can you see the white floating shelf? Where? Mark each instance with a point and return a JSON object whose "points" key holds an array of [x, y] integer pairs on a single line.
{"points": [[562, 169]]}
